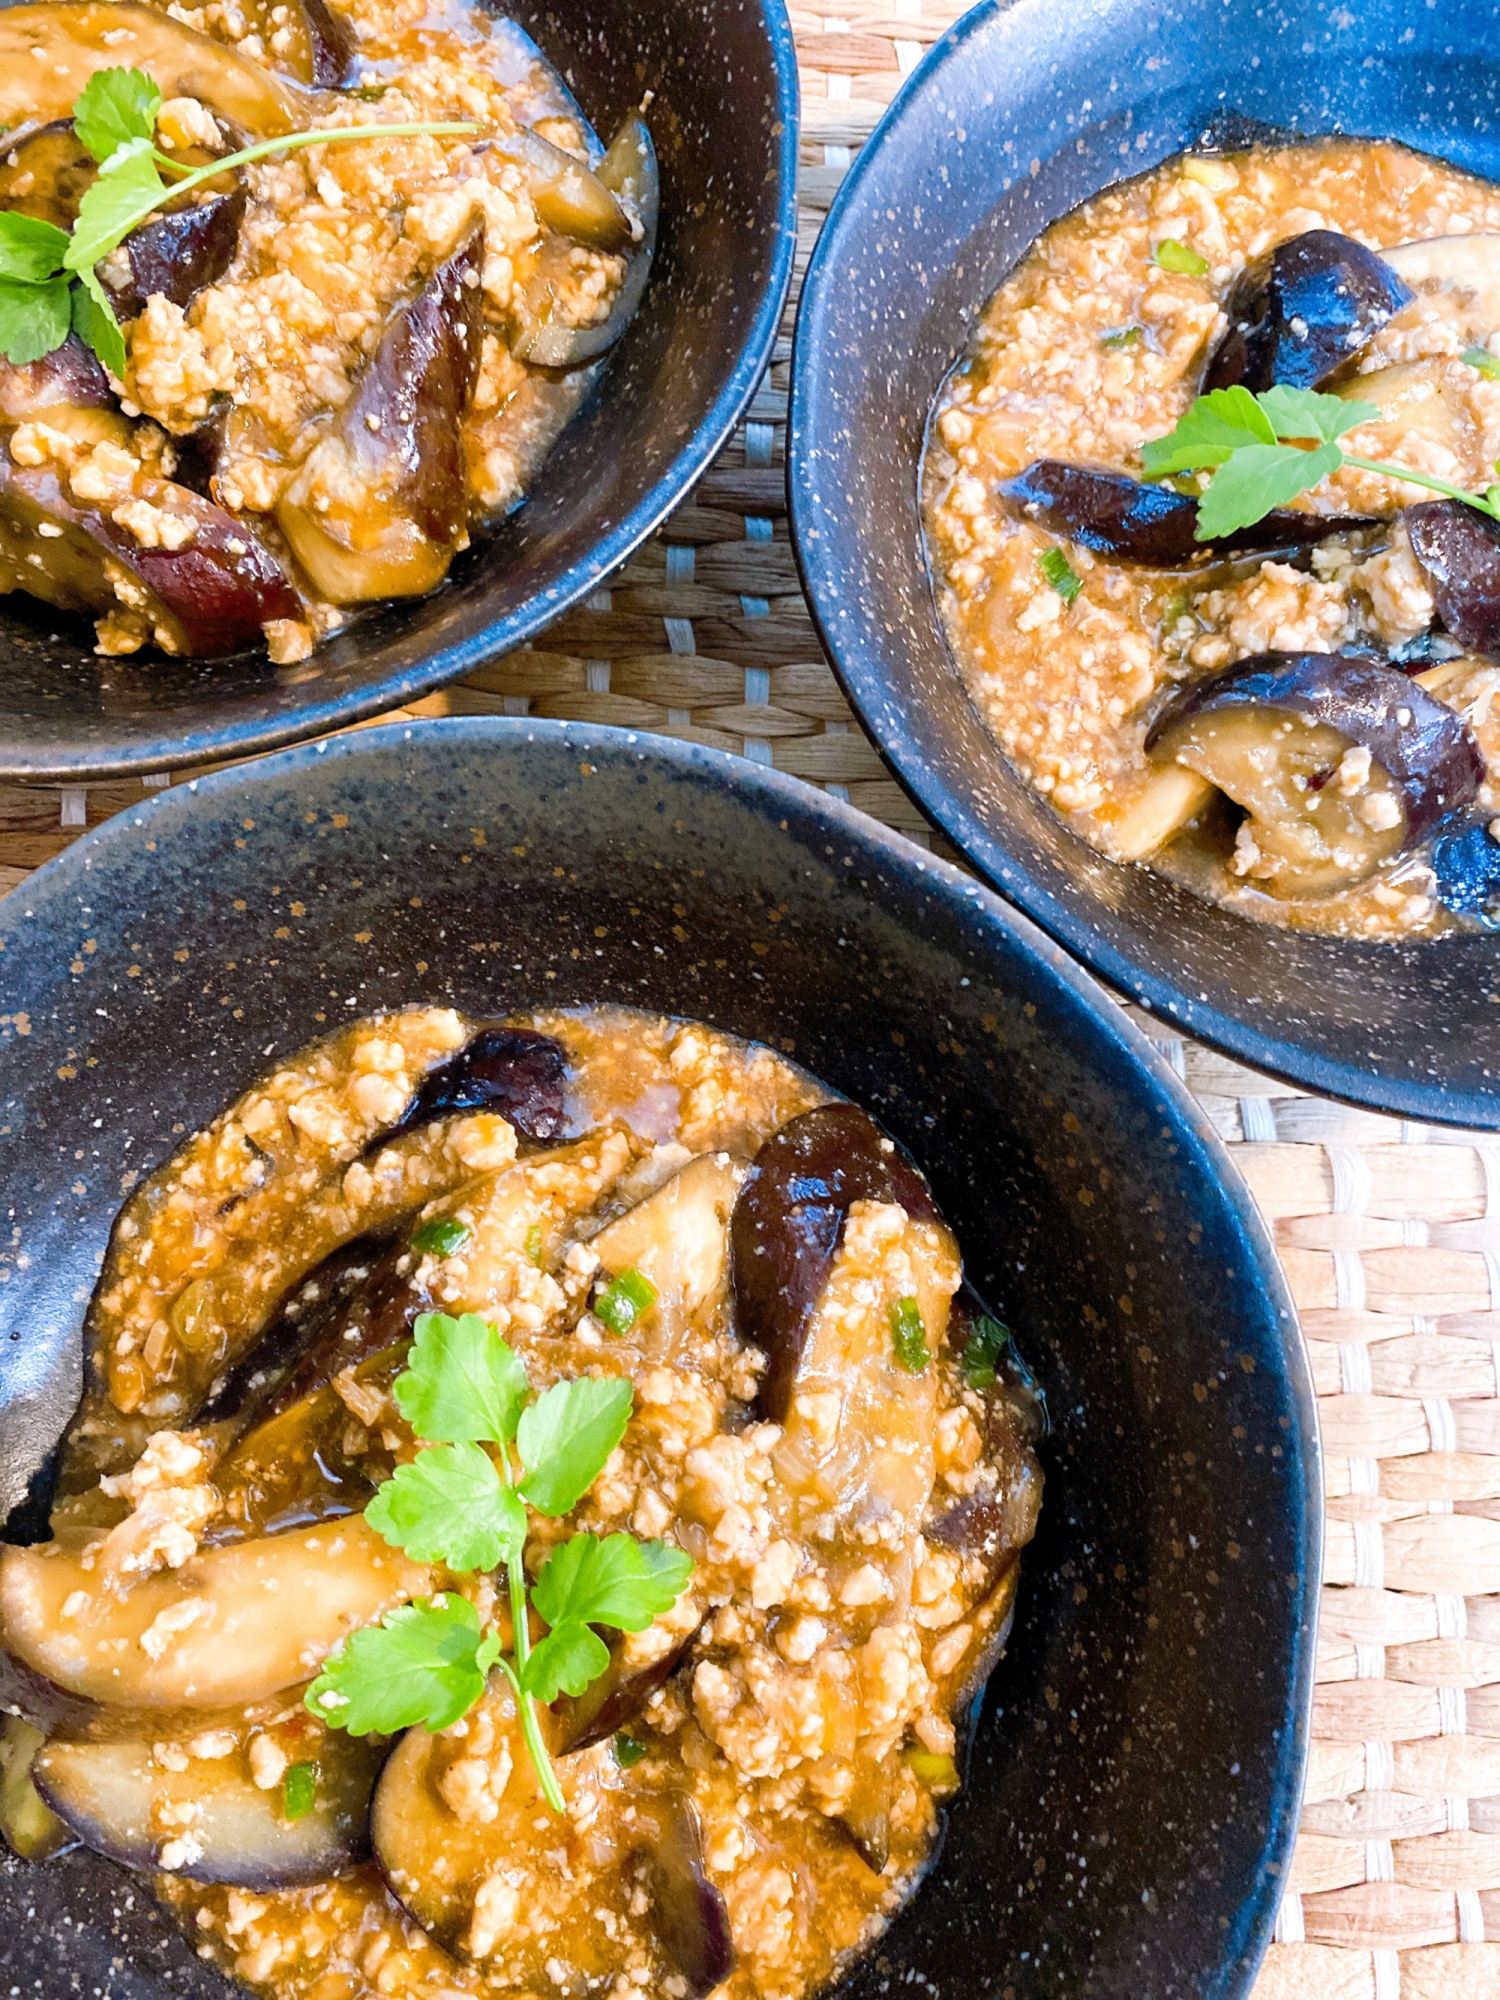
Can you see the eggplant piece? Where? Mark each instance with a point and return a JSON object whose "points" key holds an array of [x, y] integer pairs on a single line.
{"points": [[628, 170], [210, 1821], [1466, 265], [678, 1239], [206, 598], [787, 1223], [29, 1827], [520, 1075], [31, 1697], [1116, 515], [234, 1624], [692, 1920], [866, 1814], [1276, 733], [294, 1469], [613, 1701], [1300, 314], [1459, 548], [69, 378], [178, 253], [46, 173], [50, 49], [1170, 799], [303, 36], [380, 507], [567, 197], [1467, 866]]}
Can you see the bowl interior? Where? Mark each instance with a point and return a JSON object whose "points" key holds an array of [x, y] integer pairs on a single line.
{"points": [[1135, 1779], [990, 142], [725, 130]]}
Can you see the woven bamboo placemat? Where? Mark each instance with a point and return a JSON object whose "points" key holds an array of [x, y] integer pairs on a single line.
{"points": [[1390, 1232]]}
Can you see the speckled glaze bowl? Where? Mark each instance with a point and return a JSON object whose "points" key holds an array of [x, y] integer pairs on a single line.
{"points": [[1020, 113], [724, 118], [1134, 1786]]}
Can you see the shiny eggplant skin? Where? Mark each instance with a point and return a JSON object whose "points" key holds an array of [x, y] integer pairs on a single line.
{"points": [[613, 1702], [179, 253], [787, 1223], [1299, 315], [208, 598], [1466, 863], [392, 469], [70, 376], [692, 1921], [1116, 515], [1424, 745], [512, 1071], [1459, 548]]}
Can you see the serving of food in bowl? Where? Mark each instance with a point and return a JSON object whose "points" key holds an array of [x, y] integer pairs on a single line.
{"points": [[1195, 454], [558, 1431], [299, 305]]}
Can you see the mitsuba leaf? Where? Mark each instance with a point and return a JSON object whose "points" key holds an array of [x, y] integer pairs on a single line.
{"points": [[114, 107], [113, 206], [462, 1383], [618, 1582], [450, 1505], [30, 249], [1305, 413], [1258, 478], [94, 322], [1209, 432], [424, 1662], [565, 1437], [33, 319], [566, 1661]]}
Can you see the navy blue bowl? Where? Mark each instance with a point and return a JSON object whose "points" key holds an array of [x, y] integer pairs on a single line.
{"points": [[1019, 114], [724, 118], [1133, 1792]]}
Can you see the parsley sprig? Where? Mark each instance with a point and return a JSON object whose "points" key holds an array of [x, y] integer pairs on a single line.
{"points": [[1268, 448], [49, 281], [463, 1505]]}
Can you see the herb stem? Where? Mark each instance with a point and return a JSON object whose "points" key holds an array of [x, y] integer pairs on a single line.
{"points": [[531, 1729], [1475, 500]]}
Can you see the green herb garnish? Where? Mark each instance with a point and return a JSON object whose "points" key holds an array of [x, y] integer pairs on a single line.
{"points": [[440, 1237], [299, 1791], [534, 1244], [1060, 574], [1481, 358], [628, 1750], [1266, 449], [463, 1502], [987, 1341], [1122, 336], [49, 284], [909, 1336], [621, 1304], [1170, 255]]}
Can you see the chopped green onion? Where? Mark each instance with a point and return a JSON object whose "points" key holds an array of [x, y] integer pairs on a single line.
{"points": [[1481, 358], [988, 1340], [1122, 336], [1060, 573], [299, 1791], [440, 1238], [1173, 608], [935, 1769], [534, 1244], [621, 1304], [909, 1336], [370, 93], [1170, 255], [628, 1750]]}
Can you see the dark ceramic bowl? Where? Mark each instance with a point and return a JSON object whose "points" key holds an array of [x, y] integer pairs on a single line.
{"points": [[1019, 114], [724, 118], [1134, 1787]]}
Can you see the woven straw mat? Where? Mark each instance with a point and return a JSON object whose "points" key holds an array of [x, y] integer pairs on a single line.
{"points": [[1390, 1233]]}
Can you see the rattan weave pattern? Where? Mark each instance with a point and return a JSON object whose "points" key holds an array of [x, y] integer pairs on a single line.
{"points": [[1390, 1232]]}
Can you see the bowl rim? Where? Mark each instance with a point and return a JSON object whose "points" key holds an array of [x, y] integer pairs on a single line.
{"points": [[861, 676], [159, 750], [777, 796]]}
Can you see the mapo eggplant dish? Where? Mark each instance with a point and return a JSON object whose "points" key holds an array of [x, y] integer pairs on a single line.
{"points": [[294, 296], [543, 1505], [1212, 511]]}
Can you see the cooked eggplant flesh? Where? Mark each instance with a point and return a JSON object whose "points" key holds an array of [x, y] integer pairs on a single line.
{"points": [[1340, 764], [1466, 267], [1300, 315], [194, 1807], [1116, 515], [28, 1825], [69, 378], [629, 171], [787, 1222], [677, 1239], [692, 1922]]}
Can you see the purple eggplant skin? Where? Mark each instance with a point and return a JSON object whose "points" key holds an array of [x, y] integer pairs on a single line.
{"points": [[1425, 745], [70, 374], [692, 1921], [513, 1071], [179, 253], [207, 599], [1459, 548], [30, 1695], [584, 1720], [331, 44], [787, 1222], [1299, 315], [1116, 515]]}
